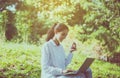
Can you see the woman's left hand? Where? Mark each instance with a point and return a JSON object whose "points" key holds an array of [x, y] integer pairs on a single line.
{"points": [[73, 47]]}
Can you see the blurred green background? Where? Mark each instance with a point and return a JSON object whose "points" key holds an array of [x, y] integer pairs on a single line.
{"points": [[94, 25]]}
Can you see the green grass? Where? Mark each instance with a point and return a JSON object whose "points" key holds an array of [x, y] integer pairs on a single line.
{"points": [[19, 61], [23, 61]]}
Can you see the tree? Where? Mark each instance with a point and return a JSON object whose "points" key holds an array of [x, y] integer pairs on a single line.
{"points": [[102, 22], [7, 28]]}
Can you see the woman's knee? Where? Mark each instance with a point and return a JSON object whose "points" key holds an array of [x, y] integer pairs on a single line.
{"points": [[89, 70], [88, 73], [81, 75]]}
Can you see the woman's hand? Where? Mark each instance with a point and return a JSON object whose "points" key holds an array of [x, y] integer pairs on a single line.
{"points": [[73, 47], [67, 70]]}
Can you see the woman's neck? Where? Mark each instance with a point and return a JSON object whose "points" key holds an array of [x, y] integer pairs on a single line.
{"points": [[56, 41]]}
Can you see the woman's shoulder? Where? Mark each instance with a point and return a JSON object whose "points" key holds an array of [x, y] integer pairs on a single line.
{"points": [[46, 44]]}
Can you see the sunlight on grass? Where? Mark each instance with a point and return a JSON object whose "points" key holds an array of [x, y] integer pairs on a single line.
{"points": [[23, 61]]}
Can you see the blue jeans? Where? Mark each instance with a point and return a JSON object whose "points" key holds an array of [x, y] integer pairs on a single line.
{"points": [[87, 74]]}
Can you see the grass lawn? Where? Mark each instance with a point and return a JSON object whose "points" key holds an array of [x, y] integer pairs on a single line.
{"points": [[23, 61]]}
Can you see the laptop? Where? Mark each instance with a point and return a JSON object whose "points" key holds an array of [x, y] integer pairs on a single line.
{"points": [[82, 68]]}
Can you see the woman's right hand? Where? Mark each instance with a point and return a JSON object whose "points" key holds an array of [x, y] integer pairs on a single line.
{"points": [[67, 70]]}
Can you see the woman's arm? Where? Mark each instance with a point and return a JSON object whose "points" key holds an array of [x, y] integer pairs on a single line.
{"points": [[45, 62], [70, 55], [68, 59]]}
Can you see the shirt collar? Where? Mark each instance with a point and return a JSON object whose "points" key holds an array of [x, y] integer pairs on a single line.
{"points": [[51, 40]]}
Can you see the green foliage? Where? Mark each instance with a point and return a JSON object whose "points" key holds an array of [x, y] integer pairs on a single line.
{"points": [[3, 21], [93, 22], [23, 24], [19, 61], [102, 22], [23, 61]]}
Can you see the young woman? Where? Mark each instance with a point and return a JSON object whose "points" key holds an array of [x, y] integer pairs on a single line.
{"points": [[54, 60]]}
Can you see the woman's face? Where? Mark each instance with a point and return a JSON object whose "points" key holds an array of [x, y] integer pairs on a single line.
{"points": [[61, 35]]}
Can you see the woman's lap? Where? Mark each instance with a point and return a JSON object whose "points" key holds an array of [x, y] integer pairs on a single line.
{"points": [[73, 76], [87, 74]]}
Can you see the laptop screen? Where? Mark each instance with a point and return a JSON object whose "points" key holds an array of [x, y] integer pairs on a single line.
{"points": [[86, 64]]}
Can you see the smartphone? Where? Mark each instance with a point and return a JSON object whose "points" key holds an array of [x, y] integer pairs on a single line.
{"points": [[73, 45]]}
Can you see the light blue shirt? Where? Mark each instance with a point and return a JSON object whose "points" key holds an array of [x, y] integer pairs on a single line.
{"points": [[53, 60]]}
